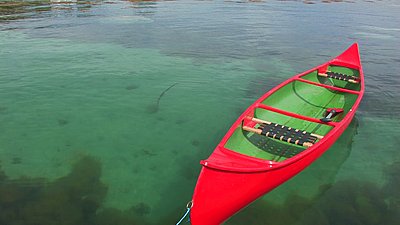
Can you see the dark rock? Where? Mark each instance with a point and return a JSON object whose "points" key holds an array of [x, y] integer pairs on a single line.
{"points": [[62, 122], [131, 87]]}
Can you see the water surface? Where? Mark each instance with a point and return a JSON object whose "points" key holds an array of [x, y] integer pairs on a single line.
{"points": [[139, 92]]}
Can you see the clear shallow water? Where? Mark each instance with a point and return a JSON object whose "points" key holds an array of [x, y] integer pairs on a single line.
{"points": [[79, 84]]}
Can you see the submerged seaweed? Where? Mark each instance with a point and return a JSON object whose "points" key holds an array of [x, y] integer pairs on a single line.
{"points": [[75, 199]]}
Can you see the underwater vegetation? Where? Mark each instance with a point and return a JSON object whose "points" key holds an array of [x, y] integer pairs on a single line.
{"points": [[75, 199], [349, 202]]}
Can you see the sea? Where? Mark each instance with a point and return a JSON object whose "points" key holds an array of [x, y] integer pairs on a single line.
{"points": [[107, 107]]}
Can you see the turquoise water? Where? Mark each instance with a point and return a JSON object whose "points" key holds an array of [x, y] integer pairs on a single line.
{"points": [[131, 95]]}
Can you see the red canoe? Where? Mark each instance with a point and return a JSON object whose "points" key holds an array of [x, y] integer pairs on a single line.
{"points": [[278, 136]]}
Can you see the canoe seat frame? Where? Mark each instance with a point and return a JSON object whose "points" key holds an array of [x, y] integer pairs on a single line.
{"points": [[283, 133], [340, 76]]}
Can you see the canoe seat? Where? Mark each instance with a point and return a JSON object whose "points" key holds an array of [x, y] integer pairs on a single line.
{"points": [[283, 133], [340, 76], [288, 134]]}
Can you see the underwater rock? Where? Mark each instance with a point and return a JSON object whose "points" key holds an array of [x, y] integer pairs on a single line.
{"points": [[3, 109], [110, 216], [181, 121], [2, 175], [391, 188], [349, 202], [187, 171], [142, 209], [195, 143], [70, 200], [148, 152], [131, 87], [62, 122], [263, 212], [153, 108], [16, 160]]}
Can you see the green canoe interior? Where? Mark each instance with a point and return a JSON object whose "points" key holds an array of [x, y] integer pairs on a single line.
{"points": [[300, 98]]}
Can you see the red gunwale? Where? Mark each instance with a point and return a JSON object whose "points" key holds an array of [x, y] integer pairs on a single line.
{"points": [[265, 165]]}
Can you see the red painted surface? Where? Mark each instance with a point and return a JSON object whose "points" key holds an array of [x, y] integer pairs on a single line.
{"points": [[229, 181]]}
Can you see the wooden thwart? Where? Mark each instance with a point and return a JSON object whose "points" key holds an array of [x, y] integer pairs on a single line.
{"points": [[339, 76]]}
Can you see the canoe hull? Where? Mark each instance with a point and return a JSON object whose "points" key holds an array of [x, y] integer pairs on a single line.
{"points": [[221, 194], [229, 180]]}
